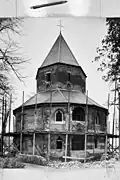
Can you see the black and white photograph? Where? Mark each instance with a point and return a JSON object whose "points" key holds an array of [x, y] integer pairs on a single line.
{"points": [[59, 89]]}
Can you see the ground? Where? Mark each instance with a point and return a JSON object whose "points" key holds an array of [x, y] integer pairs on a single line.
{"points": [[33, 172]]}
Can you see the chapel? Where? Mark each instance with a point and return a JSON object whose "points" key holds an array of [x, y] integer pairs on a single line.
{"points": [[58, 118]]}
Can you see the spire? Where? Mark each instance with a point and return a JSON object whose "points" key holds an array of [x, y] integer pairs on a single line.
{"points": [[60, 53]]}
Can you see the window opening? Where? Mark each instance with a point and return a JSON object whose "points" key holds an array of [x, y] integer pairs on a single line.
{"points": [[59, 116], [97, 119], [96, 142], [78, 142], [48, 77], [78, 114], [59, 143], [69, 75]]}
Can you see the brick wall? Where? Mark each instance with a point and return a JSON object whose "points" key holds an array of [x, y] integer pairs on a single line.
{"points": [[59, 76], [42, 119]]}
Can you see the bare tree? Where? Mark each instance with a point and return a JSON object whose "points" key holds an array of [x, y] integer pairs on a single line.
{"points": [[10, 56]]}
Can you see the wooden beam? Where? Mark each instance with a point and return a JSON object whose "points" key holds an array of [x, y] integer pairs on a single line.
{"points": [[119, 124], [86, 125], [22, 119], [35, 119], [10, 118], [34, 143], [113, 126], [66, 145], [77, 158], [106, 138], [2, 139], [48, 146], [49, 123]]}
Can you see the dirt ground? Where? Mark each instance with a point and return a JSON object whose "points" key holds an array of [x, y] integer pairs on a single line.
{"points": [[32, 172]]}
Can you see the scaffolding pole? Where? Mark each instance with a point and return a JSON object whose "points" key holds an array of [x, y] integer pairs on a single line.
{"points": [[86, 125], [66, 145], [50, 121], [2, 126], [34, 143], [35, 119], [66, 138], [10, 118], [113, 127], [119, 124], [106, 138], [22, 119]]}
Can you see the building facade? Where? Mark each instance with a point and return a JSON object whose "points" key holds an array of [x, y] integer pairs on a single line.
{"points": [[60, 109]]}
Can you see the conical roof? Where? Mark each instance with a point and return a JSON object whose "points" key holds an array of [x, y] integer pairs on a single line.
{"points": [[60, 53]]}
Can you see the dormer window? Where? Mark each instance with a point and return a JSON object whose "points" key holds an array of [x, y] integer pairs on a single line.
{"points": [[48, 77]]}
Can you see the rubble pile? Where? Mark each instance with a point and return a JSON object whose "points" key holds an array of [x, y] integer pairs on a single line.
{"points": [[77, 164], [104, 162], [71, 164]]}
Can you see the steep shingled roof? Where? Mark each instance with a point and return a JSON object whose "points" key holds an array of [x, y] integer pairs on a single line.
{"points": [[60, 53]]}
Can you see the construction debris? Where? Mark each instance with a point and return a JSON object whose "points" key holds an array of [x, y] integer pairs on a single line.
{"points": [[77, 164]]}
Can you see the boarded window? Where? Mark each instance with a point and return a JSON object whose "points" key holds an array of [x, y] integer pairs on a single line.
{"points": [[59, 143], [78, 142], [78, 114]]}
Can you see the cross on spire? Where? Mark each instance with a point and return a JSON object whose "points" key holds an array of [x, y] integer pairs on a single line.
{"points": [[60, 25]]}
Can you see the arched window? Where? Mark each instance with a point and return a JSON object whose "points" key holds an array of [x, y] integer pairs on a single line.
{"points": [[48, 77], [59, 143], [59, 116], [97, 119], [78, 114]]}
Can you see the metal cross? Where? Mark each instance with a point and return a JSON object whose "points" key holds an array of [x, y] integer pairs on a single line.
{"points": [[60, 25]]}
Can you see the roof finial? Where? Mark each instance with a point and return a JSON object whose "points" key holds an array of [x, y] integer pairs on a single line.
{"points": [[60, 25]]}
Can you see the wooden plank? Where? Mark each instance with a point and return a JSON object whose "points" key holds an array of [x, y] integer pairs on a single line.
{"points": [[10, 118], [34, 143], [86, 122], [22, 119], [114, 114], [119, 125], [49, 123], [48, 146], [2, 139], [77, 158], [106, 138], [66, 144]]}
